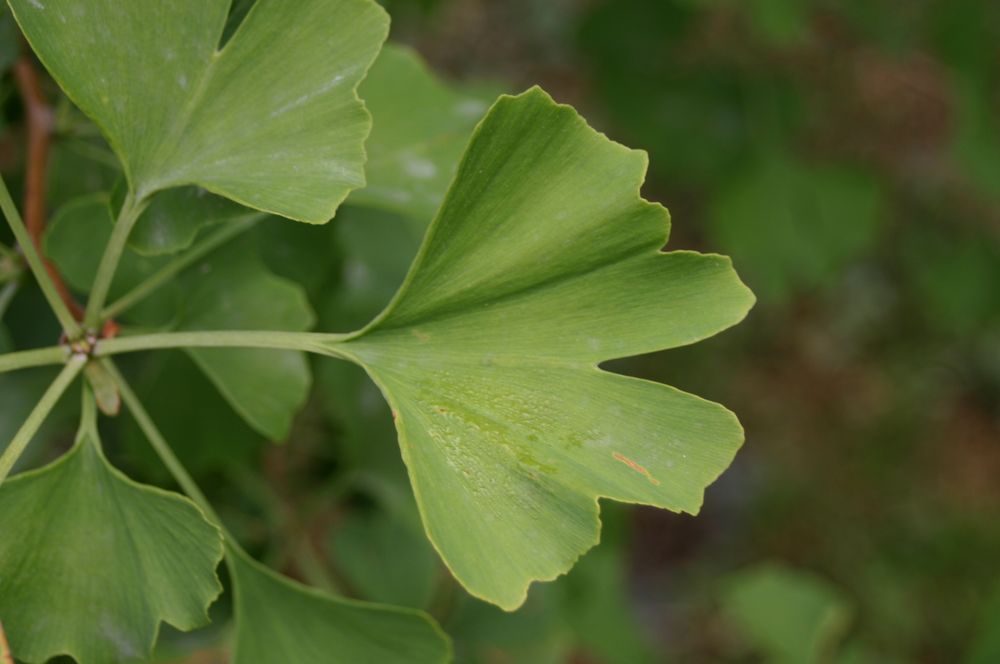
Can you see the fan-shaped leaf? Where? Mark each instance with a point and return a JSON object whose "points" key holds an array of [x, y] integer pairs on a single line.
{"points": [[542, 262], [271, 120], [94, 562]]}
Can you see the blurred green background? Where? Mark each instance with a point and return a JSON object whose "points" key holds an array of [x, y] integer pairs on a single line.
{"points": [[846, 154]]}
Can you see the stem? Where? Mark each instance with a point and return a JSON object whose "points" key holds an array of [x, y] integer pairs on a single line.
{"points": [[38, 357], [174, 267], [161, 446], [313, 342], [38, 414], [45, 282], [129, 214]]}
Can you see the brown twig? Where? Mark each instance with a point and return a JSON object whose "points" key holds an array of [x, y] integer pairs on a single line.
{"points": [[40, 121]]}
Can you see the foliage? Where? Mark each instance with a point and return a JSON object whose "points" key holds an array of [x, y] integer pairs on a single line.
{"points": [[541, 261]]}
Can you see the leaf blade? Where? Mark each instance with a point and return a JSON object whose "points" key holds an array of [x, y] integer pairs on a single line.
{"points": [[71, 589], [543, 262], [177, 111]]}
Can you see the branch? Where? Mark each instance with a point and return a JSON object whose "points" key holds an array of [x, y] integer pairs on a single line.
{"points": [[40, 121]]}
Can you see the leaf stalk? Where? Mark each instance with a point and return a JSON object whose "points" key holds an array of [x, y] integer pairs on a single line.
{"points": [[69, 324], [39, 413], [310, 342], [127, 217]]}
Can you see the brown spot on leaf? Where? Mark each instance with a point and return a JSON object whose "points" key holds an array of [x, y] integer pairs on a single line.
{"points": [[636, 467]]}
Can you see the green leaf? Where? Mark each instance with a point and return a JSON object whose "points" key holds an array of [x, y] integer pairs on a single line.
{"points": [[94, 562], [542, 262], [788, 616], [414, 146], [271, 120], [234, 291], [278, 620]]}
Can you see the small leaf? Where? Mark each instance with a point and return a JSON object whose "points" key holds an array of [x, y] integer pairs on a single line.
{"points": [[271, 120], [542, 262], [234, 291], [415, 146], [278, 620], [94, 562]]}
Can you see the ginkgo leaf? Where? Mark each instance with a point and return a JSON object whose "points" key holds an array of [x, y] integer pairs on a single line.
{"points": [[271, 119], [542, 262], [235, 291], [414, 147], [278, 620], [94, 562]]}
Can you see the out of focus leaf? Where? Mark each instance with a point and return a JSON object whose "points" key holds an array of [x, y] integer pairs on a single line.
{"points": [[415, 146], [599, 607], [786, 615], [986, 645], [386, 557], [536, 633]]}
